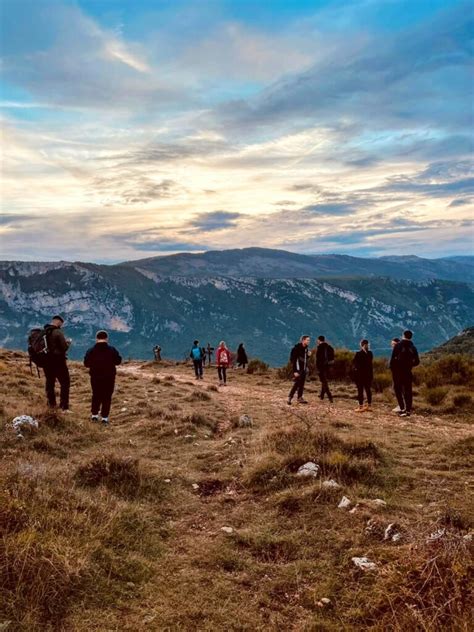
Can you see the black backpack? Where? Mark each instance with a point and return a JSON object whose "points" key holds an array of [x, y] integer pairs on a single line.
{"points": [[38, 346], [406, 357], [329, 355]]}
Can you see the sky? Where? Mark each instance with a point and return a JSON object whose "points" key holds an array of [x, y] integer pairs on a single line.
{"points": [[148, 127]]}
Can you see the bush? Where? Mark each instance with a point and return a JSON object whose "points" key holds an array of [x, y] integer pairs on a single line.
{"points": [[462, 400], [435, 395], [257, 366], [450, 369], [382, 381]]}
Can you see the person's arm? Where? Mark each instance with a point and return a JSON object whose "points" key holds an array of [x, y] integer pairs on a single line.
{"points": [[87, 358], [118, 357], [416, 360], [393, 357]]}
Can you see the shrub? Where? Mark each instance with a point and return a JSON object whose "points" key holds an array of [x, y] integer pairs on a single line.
{"points": [[462, 400], [382, 381], [257, 366], [435, 395], [198, 396]]}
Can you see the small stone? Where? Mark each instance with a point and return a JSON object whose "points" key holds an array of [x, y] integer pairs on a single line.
{"points": [[354, 509], [364, 563], [308, 469], [227, 529], [467, 537], [167, 480], [436, 535], [195, 486], [379, 502], [325, 600], [344, 503], [331, 484], [396, 537], [123, 410], [389, 531], [245, 421]]}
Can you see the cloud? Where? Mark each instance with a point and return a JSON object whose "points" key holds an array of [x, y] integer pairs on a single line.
{"points": [[329, 209], [215, 220]]}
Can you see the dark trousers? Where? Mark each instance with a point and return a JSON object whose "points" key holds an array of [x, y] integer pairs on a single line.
{"points": [[198, 367], [242, 364], [56, 369], [222, 373], [102, 391], [298, 386], [361, 386], [403, 387], [323, 377]]}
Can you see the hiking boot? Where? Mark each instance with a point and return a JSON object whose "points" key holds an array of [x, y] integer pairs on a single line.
{"points": [[94, 418], [397, 409], [105, 421], [368, 408], [301, 400], [403, 413], [289, 402], [360, 409]]}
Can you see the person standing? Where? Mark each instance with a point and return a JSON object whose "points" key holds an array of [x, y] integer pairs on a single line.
{"points": [[223, 358], [364, 374], [55, 364], [299, 364], [393, 342], [404, 358], [196, 356], [101, 360], [242, 359], [324, 359], [204, 355], [157, 353], [209, 353]]}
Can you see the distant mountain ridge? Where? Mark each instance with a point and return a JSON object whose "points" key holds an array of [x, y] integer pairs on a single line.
{"points": [[279, 264], [463, 342], [142, 303]]}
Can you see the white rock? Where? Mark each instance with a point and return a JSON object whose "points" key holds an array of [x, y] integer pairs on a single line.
{"points": [[308, 469], [364, 563], [344, 503], [379, 502], [331, 484], [389, 531], [467, 537], [325, 600], [123, 410], [396, 537], [195, 486], [436, 535], [354, 509], [227, 529], [24, 422], [167, 480]]}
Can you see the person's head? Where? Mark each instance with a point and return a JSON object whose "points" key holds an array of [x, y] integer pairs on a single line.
{"points": [[364, 344], [241, 344], [195, 343], [395, 341], [57, 321], [222, 344], [305, 340], [102, 336], [407, 334], [321, 339]]}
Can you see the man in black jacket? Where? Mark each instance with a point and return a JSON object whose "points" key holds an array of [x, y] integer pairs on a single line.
{"points": [[299, 363], [404, 358], [55, 367], [324, 358], [101, 360]]}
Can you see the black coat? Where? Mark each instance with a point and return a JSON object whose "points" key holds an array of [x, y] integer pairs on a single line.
{"points": [[322, 360], [101, 360], [299, 358], [363, 366], [404, 357], [242, 355]]}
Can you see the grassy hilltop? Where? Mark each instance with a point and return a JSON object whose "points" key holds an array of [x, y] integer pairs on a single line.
{"points": [[120, 528]]}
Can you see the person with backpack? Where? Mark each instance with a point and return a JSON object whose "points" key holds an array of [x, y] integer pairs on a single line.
{"points": [[102, 360], [49, 351], [299, 363], [223, 359], [362, 366], [404, 358], [242, 359], [196, 356], [210, 351], [393, 342], [324, 360]]}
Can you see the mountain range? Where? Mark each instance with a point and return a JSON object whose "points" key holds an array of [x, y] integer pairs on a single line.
{"points": [[265, 298]]}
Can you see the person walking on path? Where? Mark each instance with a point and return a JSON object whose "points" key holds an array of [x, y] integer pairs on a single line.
{"points": [[204, 355], [299, 364], [55, 364], [363, 374], [404, 359], [223, 359], [157, 353], [101, 360], [324, 360], [242, 359], [196, 356]]}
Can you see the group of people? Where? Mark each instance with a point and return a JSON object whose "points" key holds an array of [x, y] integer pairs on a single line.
{"points": [[224, 359], [402, 361], [48, 348]]}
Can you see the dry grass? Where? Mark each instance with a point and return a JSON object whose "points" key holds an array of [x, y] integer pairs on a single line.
{"points": [[114, 528]]}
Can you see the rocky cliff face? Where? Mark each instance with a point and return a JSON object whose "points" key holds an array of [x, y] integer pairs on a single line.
{"points": [[141, 308]]}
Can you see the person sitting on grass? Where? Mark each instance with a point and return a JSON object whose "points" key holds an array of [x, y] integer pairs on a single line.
{"points": [[101, 360], [363, 374]]}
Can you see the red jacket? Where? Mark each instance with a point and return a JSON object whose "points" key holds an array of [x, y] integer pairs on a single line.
{"points": [[223, 356]]}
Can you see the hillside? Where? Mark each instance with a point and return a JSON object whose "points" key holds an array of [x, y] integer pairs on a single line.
{"points": [[280, 264], [141, 309], [176, 518], [461, 343]]}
